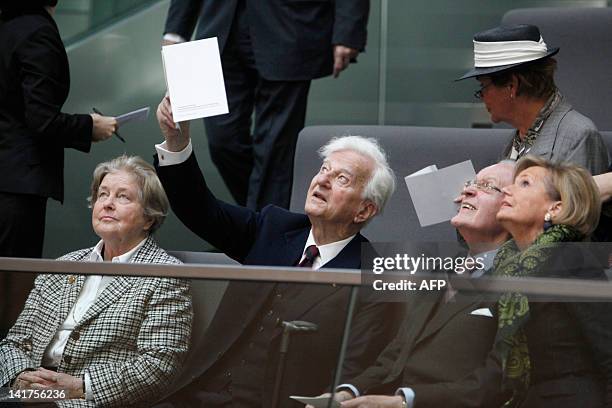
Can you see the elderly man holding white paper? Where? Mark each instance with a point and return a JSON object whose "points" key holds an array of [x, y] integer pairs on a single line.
{"points": [[238, 358]]}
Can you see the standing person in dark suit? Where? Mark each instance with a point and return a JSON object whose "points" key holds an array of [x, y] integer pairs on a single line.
{"points": [[34, 84], [239, 355], [441, 355], [270, 51]]}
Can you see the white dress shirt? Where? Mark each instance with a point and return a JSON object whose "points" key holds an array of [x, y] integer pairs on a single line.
{"points": [[92, 287], [173, 37], [168, 158], [327, 252]]}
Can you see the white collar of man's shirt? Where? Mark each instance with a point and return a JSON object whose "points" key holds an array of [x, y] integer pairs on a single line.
{"points": [[327, 252], [96, 254], [487, 262]]}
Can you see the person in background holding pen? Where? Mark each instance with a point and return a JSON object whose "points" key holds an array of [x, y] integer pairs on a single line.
{"points": [[34, 85]]}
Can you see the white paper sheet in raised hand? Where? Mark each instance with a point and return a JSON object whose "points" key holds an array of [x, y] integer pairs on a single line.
{"points": [[139, 115], [433, 193], [317, 402], [194, 79]]}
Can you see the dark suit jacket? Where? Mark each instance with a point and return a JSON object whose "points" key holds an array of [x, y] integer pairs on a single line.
{"points": [[275, 237], [292, 39], [443, 352], [34, 84]]}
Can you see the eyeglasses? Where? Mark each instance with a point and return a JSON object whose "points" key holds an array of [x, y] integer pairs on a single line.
{"points": [[482, 186], [478, 93]]}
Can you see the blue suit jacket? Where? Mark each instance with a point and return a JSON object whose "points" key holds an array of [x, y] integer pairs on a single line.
{"points": [[275, 237]]}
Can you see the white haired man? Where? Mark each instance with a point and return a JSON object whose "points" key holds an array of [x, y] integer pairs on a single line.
{"points": [[239, 354], [441, 355]]}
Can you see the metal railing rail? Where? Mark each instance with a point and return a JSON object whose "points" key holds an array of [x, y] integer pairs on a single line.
{"points": [[571, 288]]}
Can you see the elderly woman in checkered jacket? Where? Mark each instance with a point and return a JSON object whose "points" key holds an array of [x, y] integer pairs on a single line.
{"points": [[106, 340]]}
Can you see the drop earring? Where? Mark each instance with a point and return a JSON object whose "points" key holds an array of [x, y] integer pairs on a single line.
{"points": [[547, 221]]}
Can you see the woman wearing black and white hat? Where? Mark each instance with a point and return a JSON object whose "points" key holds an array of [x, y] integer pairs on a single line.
{"points": [[515, 69]]}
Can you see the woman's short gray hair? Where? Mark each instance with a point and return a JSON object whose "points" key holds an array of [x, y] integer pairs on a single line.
{"points": [[381, 184], [151, 194]]}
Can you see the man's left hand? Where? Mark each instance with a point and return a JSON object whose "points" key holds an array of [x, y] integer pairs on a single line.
{"points": [[374, 401], [342, 58]]}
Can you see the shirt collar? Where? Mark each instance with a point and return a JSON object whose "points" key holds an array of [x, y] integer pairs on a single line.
{"points": [[96, 254], [487, 261], [327, 252]]}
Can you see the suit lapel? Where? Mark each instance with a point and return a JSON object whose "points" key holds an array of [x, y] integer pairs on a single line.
{"points": [[242, 302], [294, 241], [445, 312], [419, 310], [116, 288], [545, 142], [120, 284], [71, 287], [312, 295], [350, 256]]}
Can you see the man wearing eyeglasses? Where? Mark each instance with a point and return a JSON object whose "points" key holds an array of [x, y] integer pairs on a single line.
{"points": [[441, 356]]}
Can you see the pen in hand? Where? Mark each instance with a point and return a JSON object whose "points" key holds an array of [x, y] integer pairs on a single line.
{"points": [[116, 133]]}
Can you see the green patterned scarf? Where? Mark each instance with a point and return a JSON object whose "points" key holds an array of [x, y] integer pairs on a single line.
{"points": [[513, 308]]}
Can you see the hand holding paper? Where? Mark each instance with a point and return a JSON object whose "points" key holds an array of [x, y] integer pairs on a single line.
{"points": [[176, 139]]}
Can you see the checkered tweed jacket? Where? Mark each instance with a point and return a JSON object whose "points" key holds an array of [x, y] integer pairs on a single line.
{"points": [[131, 341]]}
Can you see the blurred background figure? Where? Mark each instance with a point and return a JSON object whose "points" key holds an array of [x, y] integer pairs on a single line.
{"points": [[554, 354], [34, 84], [113, 340], [515, 69], [270, 51]]}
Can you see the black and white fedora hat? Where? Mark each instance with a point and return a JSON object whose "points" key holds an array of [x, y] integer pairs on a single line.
{"points": [[505, 47]]}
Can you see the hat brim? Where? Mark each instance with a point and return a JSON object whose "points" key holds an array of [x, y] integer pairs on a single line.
{"points": [[474, 72]]}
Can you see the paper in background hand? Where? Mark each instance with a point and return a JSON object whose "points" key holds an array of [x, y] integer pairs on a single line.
{"points": [[433, 193], [429, 169], [316, 402], [194, 79], [139, 115]]}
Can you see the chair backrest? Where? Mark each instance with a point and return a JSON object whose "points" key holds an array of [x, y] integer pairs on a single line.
{"points": [[409, 149], [607, 138], [585, 37]]}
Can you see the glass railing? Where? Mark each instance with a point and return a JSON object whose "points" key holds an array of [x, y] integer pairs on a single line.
{"points": [[311, 329], [79, 18]]}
